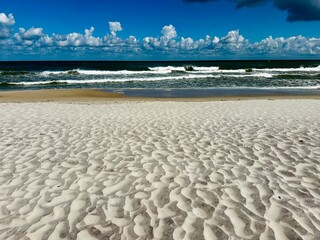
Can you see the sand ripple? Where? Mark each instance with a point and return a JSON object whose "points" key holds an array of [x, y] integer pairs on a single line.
{"points": [[160, 170]]}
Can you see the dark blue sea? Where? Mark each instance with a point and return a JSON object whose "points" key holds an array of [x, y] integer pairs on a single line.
{"points": [[216, 77]]}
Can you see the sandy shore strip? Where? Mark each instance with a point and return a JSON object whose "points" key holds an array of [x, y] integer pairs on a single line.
{"points": [[96, 95], [160, 170], [58, 95]]}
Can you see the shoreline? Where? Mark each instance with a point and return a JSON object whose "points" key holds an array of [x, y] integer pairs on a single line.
{"points": [[96, 95]]}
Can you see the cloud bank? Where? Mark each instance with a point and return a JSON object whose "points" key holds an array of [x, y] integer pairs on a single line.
{"points": [[35, 43], [298, 10]]}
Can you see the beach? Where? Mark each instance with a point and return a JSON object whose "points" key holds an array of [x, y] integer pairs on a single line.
{"points": [[119, 168]]}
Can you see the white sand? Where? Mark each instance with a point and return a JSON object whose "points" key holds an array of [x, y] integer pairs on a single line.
{"points": [[160, 170]]}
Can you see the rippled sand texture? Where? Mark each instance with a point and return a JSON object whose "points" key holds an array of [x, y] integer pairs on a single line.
{"points": [[160, 170]]}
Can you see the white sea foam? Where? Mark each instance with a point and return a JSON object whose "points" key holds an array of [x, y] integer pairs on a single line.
{"points": [[48, 73], [120, 72], [195, 70], [217, 70], [145, 79], [182, 69], [212, 69], [105, 80], [37, 82], [94, 72], [167, 69], [289, 70]]}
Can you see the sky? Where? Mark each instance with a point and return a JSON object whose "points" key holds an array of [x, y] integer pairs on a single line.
{"points": [[159, 30]]}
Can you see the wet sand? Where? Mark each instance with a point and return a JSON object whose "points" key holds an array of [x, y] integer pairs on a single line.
{"points": [[93, 95]]}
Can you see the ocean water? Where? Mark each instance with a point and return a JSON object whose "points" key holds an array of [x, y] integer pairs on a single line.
{"points": [[167, 76]]}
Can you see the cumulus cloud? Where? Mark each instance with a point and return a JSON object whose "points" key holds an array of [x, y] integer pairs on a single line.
{"points": [[297, 45], [7, 20], [164, 43], [115, 27], [169, 32], [298, 10], [34, 41], [232, 44], [30, 34], [5, 24], [75, 39], [233, 37]]}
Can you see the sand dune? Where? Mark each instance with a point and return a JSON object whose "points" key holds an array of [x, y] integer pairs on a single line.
{"points": [[160, 170]]}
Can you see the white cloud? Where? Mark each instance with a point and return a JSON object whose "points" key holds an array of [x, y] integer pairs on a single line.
{"points": [[169, 32], [187, 43], [233, 37], [233, 42], [167, 46], [5, 23], [77, 39], [4, 32], [290, 46], [166, 42], [7, 20], [30, 34], [45, 40], [114, 28]]}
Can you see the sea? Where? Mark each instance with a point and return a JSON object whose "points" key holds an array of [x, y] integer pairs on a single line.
{"points": [[166, 78]]}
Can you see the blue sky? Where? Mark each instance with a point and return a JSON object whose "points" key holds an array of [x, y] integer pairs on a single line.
{"points": [[167, 29]]}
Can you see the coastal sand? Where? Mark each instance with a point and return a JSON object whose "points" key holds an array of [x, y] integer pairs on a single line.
{"points": [[96, 95], [160, 170], [57, 95]]}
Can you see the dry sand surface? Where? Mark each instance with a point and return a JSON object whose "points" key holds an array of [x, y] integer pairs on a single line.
{"points": [[160, 170]]}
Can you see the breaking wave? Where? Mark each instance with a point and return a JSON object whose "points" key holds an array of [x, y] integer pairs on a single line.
{"points": [[170, 76]]}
